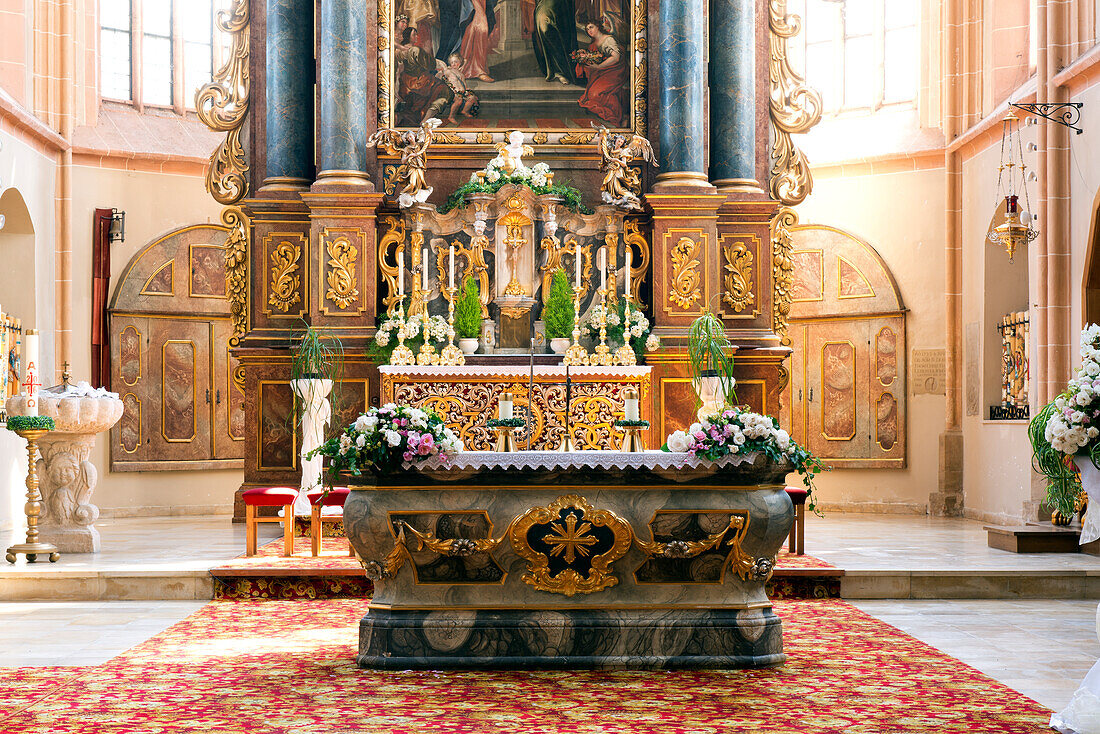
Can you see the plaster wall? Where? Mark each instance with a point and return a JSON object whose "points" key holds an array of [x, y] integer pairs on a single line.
{"points": [[996, 454], [154, 204], [33, 175], [900, 214]]}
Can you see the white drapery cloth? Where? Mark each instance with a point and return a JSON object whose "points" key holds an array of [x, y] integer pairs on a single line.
{"points": [[316, 415]]}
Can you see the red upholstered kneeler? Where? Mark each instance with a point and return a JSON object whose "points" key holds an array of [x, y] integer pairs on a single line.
{"points": [[317, 500], [796, 544], [269, 497]]}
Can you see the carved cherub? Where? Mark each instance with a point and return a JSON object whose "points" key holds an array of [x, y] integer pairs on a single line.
{"points": [[412, 145], [621, 183], [68, 489], [513, 150]]}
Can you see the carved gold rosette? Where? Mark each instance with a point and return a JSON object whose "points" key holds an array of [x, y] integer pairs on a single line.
{"points": [[569, 546], [222, 105], [795, 108]]}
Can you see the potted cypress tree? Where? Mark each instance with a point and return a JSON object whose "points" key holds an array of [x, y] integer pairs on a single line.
{"points": [[559, 314], [710, 356], [468, 316]]}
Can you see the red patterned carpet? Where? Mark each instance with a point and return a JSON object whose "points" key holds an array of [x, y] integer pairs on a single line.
{"points": [[288, 666]]}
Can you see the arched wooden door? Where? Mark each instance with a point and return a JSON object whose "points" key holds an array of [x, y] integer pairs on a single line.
{"points": [[846, 399], [170, 360]]}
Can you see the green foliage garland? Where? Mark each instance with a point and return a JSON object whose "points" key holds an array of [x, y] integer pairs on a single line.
{"points": [[570, 196], [559, 314], [30, 423], [468, 310]]}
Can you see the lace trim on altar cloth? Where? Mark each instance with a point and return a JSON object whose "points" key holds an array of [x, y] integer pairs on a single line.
{"points": [[482, 371], [565, 461]]}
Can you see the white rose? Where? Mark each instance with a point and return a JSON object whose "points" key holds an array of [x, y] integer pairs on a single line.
{"points": [[652, 343], [679, 442], [393, 438], [361, 441]]}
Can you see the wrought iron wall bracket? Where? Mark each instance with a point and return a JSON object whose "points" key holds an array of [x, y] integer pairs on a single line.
{"points": [[1064, 113]]}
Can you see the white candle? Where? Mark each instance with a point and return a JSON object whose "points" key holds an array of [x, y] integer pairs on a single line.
{"points": [[603, 270], [577, 262], [424, 271], [626, 277], [401, 275], [631, 409], [31, 380], [451, 282], [505, 405]]}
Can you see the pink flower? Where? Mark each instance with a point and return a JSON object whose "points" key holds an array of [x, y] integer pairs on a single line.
{"points": [[426, 444], [700, 436], [414, 438], [408, 456]]}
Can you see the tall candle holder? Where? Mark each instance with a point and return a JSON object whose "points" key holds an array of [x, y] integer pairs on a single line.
{"points": [[602, 355], [427, 354], [451, 355], [624, 355], [401, 354], [576, 355], [32, 428]]}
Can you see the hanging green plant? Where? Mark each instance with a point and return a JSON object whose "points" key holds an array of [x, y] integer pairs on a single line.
{"points": [[559, 314], [710, 354], [317, 356]]}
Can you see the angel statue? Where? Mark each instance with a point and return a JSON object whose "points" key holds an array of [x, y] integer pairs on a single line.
{"points": [[512, 151], [621, 182], [413, 146]]}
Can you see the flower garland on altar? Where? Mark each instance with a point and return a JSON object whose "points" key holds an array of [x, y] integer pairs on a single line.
{"points": [[416, 328], [736, 431], [494, 177], [381, 439], [1070, 426]]}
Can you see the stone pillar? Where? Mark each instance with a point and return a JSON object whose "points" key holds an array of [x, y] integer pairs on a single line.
{"points": [[732, 82], [289, 78], [343, 121], [682, 91]]}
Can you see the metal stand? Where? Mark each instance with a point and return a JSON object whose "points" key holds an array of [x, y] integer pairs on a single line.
{"points": [[633, 442], [32, 548], [603, 354], [505, 441], [451, 355]]}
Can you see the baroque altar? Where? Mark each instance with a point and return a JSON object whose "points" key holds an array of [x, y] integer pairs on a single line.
{"points": [[582, 559]]}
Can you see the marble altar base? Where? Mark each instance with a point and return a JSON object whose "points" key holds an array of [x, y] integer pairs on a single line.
{"points": [[571, 560]]}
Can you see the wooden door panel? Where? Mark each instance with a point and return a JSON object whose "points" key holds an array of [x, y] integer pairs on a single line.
{"points": [[180, 415], [229, 432], [834, 410]]}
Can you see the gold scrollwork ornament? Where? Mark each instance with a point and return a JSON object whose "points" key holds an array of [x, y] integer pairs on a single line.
{"points": [[570, 539], [686, 282], [782, 271], [794, 106], [236, 270], [738, 293], [222, 105], [342, 285], [285, 278]]}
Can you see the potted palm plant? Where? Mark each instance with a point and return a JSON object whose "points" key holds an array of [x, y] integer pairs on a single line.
{"points": [[710, 356], [559, 314], [468, 316], [314, 366]]}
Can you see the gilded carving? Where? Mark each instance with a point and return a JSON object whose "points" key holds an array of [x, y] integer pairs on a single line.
{"points": [[577, 138], [236, 270], [782, 271], [286, 278], [569, 546], [412, 146], [622, 183], [686, 281], [222, 105], [739, 293], [484, 137], [795, 108], [639, 259], [343, 288], [394, 237], [476, 267]]}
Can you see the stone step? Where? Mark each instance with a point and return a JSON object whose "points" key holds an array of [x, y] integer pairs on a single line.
{"points": [[970, 584], [1038, 538]]}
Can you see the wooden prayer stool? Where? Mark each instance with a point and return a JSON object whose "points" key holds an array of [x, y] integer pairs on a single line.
{"points": [[318, 500], [269, 497], [796, 544]]}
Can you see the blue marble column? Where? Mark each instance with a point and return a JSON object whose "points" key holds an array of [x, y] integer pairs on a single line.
{"points": [[290, 74], [682, 89], [343, 123], [733, 94]]}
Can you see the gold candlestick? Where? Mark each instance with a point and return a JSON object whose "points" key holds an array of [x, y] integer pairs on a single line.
{"points": [[401, 354], [624, 355], [603, 354], [451, 354], [427, 354], [32, 548], [505, 441], [576, 355]]}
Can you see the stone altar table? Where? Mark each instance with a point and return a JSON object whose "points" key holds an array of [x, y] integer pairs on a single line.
{"points": [[571, 560], [466, 397]]}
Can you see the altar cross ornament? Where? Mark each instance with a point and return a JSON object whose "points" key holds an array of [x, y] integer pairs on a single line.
{"points": [[570, 539]]}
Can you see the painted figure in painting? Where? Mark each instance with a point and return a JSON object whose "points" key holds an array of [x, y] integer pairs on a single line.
{"points": [[467, 28], [555, 37], [466, 102], [421, 94], [421, 15], [603, 66]]}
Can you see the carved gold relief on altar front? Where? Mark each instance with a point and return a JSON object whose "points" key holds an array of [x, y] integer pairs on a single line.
{"points": [[738, 287], [569, 546], [393, 238], [284, 285], [341, 267], [686, 289]]}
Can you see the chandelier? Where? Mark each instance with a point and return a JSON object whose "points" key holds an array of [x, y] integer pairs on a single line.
{"points": [[1016, 230]]}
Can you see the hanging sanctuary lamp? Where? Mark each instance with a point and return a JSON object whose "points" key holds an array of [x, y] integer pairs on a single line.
{"points": [[1016, 230]]}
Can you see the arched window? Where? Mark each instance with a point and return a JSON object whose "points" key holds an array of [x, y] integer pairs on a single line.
{"points": [[860, 54]]}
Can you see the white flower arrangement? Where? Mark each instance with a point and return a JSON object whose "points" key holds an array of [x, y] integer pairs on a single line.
{"points": [[434, 329], [536, 176], [1074, 424]]}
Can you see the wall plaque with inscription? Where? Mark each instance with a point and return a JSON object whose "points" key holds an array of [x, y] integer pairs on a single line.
{"points": [[929, 372]]}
